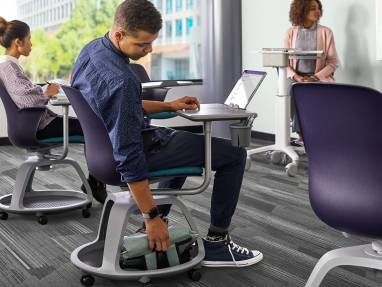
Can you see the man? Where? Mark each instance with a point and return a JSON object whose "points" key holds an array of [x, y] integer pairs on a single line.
{"points": [[103, 76]]}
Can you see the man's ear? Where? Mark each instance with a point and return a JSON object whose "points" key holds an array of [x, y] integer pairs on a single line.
{"points": [[118, 35]]}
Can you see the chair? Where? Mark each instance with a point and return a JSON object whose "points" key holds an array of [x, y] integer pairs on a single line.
{"points": [[345, 181], [101, 257], [22, 129]]}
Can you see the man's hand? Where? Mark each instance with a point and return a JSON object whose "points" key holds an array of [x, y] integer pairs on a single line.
{"points": [[185, 103], [52, 90], [157, 234]]}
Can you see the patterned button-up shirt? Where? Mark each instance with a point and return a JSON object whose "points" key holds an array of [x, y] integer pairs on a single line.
{"points": [[103, 75]]}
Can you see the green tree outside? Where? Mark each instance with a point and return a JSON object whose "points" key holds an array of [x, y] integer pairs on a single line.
{"points": [[53, 54]]}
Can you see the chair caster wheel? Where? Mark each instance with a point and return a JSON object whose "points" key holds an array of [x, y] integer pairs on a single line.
{"points": [[194, 275], [146, 282], [3, 215], [87, 280], [42, 219], [276, 157], [291, 169], [85, 213]]}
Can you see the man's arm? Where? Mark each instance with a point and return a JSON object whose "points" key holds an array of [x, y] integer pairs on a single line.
{"points": [[156, 228], [184, 103], [118, 103]]}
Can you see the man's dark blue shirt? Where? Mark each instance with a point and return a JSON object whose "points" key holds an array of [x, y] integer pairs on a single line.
{"points": [[103, 75]]}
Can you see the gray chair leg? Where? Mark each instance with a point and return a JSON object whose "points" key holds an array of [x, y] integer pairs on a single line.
{"points": [[116, 220], [26, 172], [362, 256]]}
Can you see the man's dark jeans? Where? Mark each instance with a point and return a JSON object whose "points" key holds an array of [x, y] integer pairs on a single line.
{"points": [[187, 149]]}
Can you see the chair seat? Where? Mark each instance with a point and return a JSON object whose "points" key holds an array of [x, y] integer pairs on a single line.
{"points": [[72, 139], [162, 115], [193, 170]]}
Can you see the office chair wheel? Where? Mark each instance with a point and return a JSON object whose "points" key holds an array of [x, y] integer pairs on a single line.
{"points": [[146, 281], [3, 215], [194, 275], [42, 219], [248, 164], [87, 280], [291, 169], [276, 157], [86, 213]]}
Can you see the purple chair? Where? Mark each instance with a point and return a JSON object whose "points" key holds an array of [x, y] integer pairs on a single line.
{"points": [[101, 257], [22, 128], [341, 127]]}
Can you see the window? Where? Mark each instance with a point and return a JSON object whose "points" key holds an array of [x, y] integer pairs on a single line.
{"points": [[189, 24], [175, 56], [179, 28], [190, 4], [169, 7], [179, 5], [169, 29]]}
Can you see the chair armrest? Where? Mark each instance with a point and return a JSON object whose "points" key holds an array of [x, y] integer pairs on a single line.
{"points": [[162, 115]]}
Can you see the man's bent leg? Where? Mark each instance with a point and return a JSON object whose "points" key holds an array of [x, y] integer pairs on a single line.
{"points": [[174, 183]]}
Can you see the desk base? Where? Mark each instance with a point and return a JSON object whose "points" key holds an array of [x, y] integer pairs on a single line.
{"points": [[276, 157]]}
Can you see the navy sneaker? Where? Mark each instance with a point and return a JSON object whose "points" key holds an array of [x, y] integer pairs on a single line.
{"points": [[226, 253]]}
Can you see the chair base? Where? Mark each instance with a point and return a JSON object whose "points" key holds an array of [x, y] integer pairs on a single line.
{"points": [[25, 200], [47, 202], [101, 257], [362, 256]]}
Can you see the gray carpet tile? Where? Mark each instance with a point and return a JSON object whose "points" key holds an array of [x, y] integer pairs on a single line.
{"points": [[273, 215]]}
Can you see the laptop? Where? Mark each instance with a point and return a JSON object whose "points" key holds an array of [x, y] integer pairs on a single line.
{"points": [[239, 98]]}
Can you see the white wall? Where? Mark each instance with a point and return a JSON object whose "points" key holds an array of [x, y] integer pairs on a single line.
{"points": [[354, 25]]}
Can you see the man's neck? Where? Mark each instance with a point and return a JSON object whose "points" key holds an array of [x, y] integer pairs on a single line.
{"points": [[113, 40]]}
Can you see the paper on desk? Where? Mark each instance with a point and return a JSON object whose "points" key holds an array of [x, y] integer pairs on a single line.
{"points": [[61, 93]]}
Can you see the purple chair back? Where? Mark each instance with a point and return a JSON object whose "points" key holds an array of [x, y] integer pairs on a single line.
{"points": [[155, 94], [140, 73], [98, 148], [341, 127], [22, 123]]}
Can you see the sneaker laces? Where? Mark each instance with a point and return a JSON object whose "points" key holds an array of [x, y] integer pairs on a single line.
{"points": [[237, 248]]}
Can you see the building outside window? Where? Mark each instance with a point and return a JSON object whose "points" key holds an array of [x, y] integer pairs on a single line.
{"points": [[190, 4], [189, 25], [169, 30], [179, 28], [176, 53], [169, 6], [179, 5], [177, 56]]}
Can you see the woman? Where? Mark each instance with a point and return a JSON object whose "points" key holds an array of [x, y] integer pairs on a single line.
{"points": [[15, 37], [307, 34]]}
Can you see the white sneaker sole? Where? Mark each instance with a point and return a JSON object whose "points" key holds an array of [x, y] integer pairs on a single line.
{"points": [[242, 263]]}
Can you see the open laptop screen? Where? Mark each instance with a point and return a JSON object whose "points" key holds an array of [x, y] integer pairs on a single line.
{"points": [[245, 88]]}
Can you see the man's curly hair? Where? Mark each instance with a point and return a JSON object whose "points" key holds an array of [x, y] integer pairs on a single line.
{"points": [[138, 15], [299, 9]]}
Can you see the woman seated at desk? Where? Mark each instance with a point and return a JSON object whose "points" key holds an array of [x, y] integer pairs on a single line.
{"points": [[307, 34], [15, 37]]}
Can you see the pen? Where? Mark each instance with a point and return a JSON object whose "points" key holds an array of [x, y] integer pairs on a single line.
{"points": [[49, 83]]}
